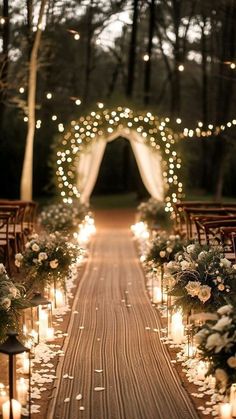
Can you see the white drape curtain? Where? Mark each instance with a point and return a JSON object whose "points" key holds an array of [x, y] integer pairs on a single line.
{"points": [[148, 161]]}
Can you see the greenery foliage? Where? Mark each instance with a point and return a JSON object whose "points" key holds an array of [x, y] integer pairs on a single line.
{"points": [[12, 299], [217, 343], [163, 248], [62, 217], [153, 213], [204, 278], [46, 259]]}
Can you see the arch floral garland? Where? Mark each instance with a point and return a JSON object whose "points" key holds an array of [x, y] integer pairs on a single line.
{"points": [[101, 123]]}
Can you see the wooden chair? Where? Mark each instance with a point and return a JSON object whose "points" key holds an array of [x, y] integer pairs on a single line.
{"points": [[5, 240]]}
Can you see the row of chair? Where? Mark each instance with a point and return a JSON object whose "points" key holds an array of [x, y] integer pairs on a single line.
{"points": [[208, 222], [17, 222]]}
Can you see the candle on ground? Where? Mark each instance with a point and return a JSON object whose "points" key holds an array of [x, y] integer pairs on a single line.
{"points": [[225, 411], [177, 328], [233, 399], [21, 388], [50, 334], [16, 409]]}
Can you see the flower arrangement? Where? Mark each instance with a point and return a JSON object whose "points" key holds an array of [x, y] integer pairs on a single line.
{"points": [[153, 213], [204, 278], [11, 300], [62, 217], [217, 343], [47, 258], [163, 248]]}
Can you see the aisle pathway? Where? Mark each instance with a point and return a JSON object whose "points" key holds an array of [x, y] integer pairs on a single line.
{"points": [[115, 357]]}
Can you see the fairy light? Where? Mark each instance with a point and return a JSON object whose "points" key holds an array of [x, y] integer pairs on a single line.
{"points": [[21, 90], [78, 102], [155, 132], [2, 20], [181, 67], [49, 95], [54, 117], [146, 57], [76, 36]]}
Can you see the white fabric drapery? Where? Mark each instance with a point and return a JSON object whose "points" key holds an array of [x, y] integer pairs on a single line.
{"points": [[148, 161]]}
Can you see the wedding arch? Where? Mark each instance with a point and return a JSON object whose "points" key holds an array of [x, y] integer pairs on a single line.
{"points": [[80, 151]]}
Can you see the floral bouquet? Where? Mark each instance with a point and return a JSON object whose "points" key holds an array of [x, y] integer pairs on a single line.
{"points": [[11, 300], [204, 278], [153, 213], [62, 217], [163, 249], [46, 259], [217, 343]]}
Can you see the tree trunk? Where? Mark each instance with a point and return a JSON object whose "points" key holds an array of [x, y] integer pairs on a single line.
{"points": [[27, 171], [175, 85], [132, 51], [4, 63], [225, 92], [147, 73], [88, 53]]}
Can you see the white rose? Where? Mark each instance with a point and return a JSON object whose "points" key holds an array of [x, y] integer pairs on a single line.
{"points": [[172, 237], [35, 261], [204, 293], [231, 361], [190, 248], [17, 263], [198, 338], [215, 340], [2, 269], [184, 265], [193, 288], [35, 247], [225, 310], [19, 257], [162, 253], [27, 245], [234, 266], [42, 256], [14, 291], [222, 323], [6, 303], [169, 249], [202, 255], [53, 264], [225, 263]]}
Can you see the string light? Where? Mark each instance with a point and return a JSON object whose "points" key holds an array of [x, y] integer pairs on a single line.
{"points": [[155, 133], [78, 102], [2, 20], [49, 95], [21, 90], [77, 36], [181, 67], [146, 57]]}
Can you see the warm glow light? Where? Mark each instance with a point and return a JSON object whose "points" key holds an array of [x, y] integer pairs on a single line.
{"points": [[49, 95], [178, 120], [233, 66], [77, 36], [181, 67], [146, 57], [78, 102], [2, 21], [21, 90], [54, 117]]}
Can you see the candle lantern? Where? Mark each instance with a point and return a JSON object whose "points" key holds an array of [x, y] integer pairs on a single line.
{"points": [[15, 386], [233, 399], [41, 318], [57, 295]]}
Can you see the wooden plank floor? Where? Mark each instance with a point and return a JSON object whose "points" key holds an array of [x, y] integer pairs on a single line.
{"points": [[110, 333]]}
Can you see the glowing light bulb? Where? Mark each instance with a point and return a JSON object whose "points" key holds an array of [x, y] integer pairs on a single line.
{"points": [[232, 66], [146, 57], [77, 36], [100, 105], [49, 95], [54, 117], [2, 21], [178, 120], [21, 90], [78, 102], [181, 67]]}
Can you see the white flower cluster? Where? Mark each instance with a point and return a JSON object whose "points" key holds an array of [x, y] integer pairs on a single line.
{"points": [[8, 291]]}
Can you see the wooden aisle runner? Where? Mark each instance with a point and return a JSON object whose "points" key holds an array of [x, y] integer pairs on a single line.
{"points": [[116, 359]]}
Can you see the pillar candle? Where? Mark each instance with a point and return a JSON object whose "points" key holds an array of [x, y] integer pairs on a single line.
{"points": [[225, 411], [177, 328], [16, 409], [43, 324], [50, 334], [157, 296], [233, 399], [21, 389]]}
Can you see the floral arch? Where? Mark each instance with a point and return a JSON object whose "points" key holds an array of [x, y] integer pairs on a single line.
{"points": [[80, 151]]}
